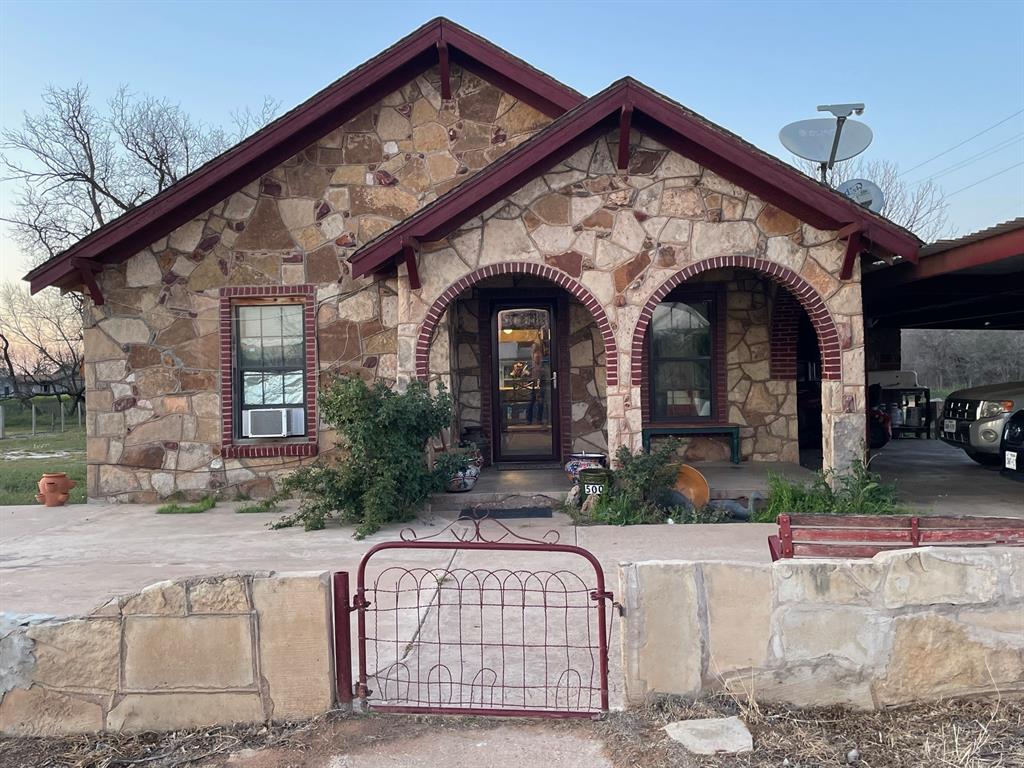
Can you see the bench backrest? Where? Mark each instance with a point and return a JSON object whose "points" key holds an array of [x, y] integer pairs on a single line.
{"points": [[867, 535]]}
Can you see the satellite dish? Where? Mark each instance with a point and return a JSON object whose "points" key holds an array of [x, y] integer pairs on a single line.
{"points": [[813, 139], [863, 192]]}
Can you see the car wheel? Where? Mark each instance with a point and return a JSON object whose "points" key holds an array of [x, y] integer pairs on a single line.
{"points": [[986, 459]]}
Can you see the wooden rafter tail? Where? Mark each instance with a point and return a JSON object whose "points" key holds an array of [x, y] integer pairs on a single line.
{"points": [[625, 124], [87, 271], [446, 70], [410, 248], [854, 245]]}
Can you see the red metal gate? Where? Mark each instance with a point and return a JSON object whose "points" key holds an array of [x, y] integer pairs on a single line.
{"points": [[477, 638]]}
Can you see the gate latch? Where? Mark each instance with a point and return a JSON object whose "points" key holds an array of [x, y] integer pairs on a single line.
{"points": [[620, 609], [359, 602]]}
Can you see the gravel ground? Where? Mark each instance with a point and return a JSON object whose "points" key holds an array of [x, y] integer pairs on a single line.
{"points": [[979, 733]]}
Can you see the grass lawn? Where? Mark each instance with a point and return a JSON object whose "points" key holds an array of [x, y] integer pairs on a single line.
{"points": [[24, 459]]}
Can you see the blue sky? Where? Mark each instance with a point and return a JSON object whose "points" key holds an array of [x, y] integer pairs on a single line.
{"points": [[931, 74]]}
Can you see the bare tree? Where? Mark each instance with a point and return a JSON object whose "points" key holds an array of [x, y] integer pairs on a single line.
{"points": [[41, 340], [921, 208], [81, 167]]}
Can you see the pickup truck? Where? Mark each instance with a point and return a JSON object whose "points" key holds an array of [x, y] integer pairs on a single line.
{"points": [[973, 419]]}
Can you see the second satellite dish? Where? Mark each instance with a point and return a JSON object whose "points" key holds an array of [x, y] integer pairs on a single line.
{"points": [[813, 139], [863, 192]]}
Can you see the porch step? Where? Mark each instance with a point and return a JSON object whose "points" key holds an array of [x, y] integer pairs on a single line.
{"points": [[497, 500]]}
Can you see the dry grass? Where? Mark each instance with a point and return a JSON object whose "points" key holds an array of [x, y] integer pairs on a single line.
{"points": [[981, 733]]}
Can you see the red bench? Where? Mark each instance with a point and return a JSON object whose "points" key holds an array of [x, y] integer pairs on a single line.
{"points": [[867, 535]]}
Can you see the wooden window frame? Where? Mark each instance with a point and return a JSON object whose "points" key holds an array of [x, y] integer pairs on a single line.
{"points": [[716, 294], [232, 444]]}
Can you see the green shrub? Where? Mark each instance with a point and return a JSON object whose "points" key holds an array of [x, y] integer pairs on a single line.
{"points": [[205, 503], [383, 476], [641, 492], [858, 491]]}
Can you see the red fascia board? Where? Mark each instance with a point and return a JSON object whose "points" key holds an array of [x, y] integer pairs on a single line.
{"points": [[477, 193], [976, 254], [293, 132], [786, 188], [788, 181], [508, 73]]}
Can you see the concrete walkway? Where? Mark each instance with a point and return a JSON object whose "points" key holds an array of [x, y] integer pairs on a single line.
{"points": [[939, 479], [68, 560]]}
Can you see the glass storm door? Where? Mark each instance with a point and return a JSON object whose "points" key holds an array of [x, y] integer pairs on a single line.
{"points": [[525, 382]]}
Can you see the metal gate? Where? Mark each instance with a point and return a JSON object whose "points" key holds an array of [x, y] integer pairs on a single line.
{"points": [[477, 637]]}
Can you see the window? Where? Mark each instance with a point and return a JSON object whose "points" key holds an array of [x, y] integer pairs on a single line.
{"points": [[270, 361], [681, 344]]}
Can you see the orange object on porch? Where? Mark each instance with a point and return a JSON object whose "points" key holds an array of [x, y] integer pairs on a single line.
{"points": [[693, 486], [54, 488]]}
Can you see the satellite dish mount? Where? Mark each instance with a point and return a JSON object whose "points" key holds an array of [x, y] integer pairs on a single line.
{"points": [[841, 112]]}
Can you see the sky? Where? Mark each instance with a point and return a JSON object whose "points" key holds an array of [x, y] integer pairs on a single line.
{"points": [[931, 74]]}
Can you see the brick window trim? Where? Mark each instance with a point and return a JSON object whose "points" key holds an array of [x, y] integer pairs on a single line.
{"points": [[719, 369], [559, 278], [802, 291], [231, 447]]}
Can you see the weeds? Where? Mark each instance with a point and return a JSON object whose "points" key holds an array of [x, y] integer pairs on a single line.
{"points": [[856, 492], [204, 504]]}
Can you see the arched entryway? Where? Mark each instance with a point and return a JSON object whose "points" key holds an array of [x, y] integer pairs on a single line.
{"points": [[529, 354], [724, 354]]}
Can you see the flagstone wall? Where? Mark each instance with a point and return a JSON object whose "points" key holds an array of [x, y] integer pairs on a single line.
{"points": [[154, 351], [906, 626]]}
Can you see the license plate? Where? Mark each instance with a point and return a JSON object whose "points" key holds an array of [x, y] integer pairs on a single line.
{"points": [[949, 425], [1010, 460]]}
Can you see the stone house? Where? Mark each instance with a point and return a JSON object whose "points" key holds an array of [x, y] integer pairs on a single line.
{"points": [[576, 270]]}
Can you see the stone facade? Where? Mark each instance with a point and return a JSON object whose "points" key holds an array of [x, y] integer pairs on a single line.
{"points": [[622, 239], [178, 654], [906, 626], [155, 351], [153, 371]]}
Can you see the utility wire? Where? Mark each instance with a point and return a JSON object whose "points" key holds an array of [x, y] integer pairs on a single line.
{"points": [[957, 146], [979, 181], [973, 158]]}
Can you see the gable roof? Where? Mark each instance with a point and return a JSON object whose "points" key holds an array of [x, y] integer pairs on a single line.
{"points": [[279, 140], [630, 102]]}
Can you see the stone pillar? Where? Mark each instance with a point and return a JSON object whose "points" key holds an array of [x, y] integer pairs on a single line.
{"points": [[410, 317]]}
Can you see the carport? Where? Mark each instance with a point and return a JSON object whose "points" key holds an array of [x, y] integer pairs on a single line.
{"points": [[971, 282]]}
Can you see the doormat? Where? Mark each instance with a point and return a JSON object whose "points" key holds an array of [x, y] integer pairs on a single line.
{"points": [[510, 513]]}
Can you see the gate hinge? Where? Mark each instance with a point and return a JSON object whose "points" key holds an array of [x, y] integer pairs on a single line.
{"points": [[359, 602]]}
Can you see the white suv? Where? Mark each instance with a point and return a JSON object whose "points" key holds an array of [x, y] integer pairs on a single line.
{"points": [[973, 419]]}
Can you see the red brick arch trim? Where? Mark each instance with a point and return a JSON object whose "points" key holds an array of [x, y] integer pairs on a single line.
{"points": [[810, 300], [557, 277]]}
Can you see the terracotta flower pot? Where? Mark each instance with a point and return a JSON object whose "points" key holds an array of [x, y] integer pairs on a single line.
{"points": [[53, 489]]}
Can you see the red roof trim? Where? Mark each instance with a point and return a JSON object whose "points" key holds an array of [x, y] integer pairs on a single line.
{"points": [[668, 122], [295, 130]]}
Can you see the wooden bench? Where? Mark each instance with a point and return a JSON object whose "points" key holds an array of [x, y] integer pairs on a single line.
{"points": [[867, 535], [732, 430]]}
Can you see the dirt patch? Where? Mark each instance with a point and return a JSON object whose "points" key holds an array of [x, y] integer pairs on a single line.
{"points": [[982, 733]]}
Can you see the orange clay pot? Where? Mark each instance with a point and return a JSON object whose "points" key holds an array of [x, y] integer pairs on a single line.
{"points": [[53, 489]]}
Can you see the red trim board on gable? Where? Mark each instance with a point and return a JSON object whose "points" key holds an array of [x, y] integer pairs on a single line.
{"points": [[673, 125], [292, 132]]}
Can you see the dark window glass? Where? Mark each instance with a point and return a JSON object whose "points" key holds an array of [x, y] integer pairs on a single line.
{"points": [[681, 341], [270, 355]]}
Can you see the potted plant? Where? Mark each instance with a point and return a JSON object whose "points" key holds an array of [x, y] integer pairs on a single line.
{"points": [[457, 470]]}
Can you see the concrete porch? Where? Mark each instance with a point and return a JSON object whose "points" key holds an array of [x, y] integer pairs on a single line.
{"points": [[536, 487]]}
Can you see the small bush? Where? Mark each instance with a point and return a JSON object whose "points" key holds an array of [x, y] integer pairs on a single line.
{"points": [[384, 476], [205, 503], [642, 492], [856, 492]]}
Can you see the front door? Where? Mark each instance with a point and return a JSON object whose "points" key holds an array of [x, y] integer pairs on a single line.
{"points": [[525, 381]]}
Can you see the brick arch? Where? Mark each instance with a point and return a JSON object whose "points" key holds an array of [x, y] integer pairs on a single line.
{"points": [[440, 305], [804, 292]]}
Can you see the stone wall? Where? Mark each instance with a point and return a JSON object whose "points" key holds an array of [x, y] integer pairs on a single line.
{"points": [[905, 626], [621, 237], [178, 654], [152, 367]]}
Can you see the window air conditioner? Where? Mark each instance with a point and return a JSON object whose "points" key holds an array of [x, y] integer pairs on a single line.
{"points": [[273, 422]]}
